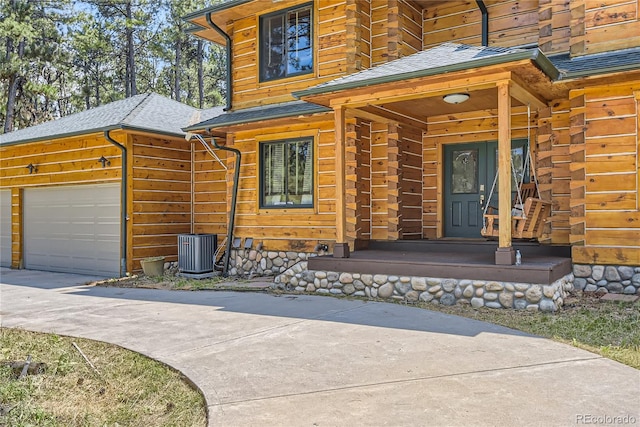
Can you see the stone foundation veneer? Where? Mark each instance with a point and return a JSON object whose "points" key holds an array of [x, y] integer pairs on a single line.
{"points": [[477, 293], [252, 262], [607, 278]]}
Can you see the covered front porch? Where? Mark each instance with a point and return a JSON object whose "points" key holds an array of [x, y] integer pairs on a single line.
{"points": [[397, 190]]}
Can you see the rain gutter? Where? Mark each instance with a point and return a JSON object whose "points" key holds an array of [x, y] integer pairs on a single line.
{"points": [[123, 208], [50, 137], [229, 57], [215, 8], [234, 197], [485, 22]]}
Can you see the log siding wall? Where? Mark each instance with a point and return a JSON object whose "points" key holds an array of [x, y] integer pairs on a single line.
{"points": [[298, 229], [160, 196], [511, 23], [553, 161], [210, 192], [554, 25], [411, 186], [611, 188], [604, 26]]}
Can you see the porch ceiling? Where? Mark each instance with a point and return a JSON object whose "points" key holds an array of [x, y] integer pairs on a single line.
{"points": [[435, 106]]}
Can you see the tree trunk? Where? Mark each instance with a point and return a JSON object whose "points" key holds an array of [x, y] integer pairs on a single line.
{"points": [[87, 92], [200, 74], [11, 103], [14, 82], [131, 69], [176, 76], [98, 84]]}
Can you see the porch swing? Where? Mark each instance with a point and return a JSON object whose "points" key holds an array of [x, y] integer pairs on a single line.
{"points": [[529, 213]]}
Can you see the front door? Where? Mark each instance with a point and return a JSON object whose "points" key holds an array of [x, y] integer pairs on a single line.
{"points": [[469, 171]]}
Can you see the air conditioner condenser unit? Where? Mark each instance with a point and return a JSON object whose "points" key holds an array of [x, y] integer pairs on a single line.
{"points": [[196, 252]]}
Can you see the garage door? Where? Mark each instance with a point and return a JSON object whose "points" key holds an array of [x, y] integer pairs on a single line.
{"points": [[5, 228], [73, 229]]}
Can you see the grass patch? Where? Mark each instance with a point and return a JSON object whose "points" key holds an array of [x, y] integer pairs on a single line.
{"points": [[128, 390], [608, 328]]}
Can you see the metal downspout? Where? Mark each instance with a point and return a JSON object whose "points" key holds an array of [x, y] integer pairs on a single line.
{"points": [[229, 56], [234, 196], [485, 22], [123, 209]]}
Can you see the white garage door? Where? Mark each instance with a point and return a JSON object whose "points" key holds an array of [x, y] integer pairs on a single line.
{"points": [[5, 228], [73, 229]]}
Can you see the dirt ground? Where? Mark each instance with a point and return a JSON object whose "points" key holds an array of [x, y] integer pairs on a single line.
{"points": [[170, 281]]}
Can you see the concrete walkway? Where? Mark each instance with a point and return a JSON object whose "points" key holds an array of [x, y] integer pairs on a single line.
{"points": [[298, 360]]}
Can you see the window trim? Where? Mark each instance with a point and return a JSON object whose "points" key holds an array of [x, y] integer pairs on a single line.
{"points": [[261, 171], [284, 12]]}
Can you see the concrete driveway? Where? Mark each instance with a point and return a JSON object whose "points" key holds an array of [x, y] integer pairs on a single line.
{"points": [[305, 360]]}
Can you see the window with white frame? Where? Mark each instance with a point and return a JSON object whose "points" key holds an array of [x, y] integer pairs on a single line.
{"points": [[286, 173], [286, 43]]}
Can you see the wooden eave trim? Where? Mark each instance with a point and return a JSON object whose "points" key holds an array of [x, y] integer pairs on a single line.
{"points": [[431, 85], [419, 88], [152, 134], [519, 92], [377, 114]]}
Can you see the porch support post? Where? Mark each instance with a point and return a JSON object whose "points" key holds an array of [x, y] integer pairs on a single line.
{"points": [[505, 254], [341, 247]]}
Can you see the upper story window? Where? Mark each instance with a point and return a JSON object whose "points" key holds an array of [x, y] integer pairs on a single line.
{"points": [[286, 43]]}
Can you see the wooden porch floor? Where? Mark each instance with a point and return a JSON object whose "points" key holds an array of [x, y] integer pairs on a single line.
{"points": [[457, 259]]}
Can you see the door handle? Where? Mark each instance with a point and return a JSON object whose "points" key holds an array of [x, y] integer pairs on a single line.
{"points": [[482, 200]]}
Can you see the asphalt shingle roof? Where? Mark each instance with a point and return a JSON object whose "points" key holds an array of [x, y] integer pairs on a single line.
{"points": [[287, 109], [444, 58], [149, 112], [599, 63]]}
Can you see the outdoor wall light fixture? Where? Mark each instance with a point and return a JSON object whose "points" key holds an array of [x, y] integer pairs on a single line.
{"points": [[321, 247], [32, 168], [455, 98], [105, 162]]}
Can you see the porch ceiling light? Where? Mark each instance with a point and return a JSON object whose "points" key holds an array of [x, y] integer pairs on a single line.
{"points": [[455, 98]]}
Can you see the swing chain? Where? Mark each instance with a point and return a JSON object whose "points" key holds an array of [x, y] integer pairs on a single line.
{"points": [[527, 162]]}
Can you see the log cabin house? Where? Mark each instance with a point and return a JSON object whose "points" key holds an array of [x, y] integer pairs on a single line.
{"points": [[375, 133], [97, 191]]}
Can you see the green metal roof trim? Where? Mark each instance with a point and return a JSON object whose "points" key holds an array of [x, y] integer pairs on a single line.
{"points": [[147, 112], [194, 28], [269, 112], [215, 8], [446, 58]]}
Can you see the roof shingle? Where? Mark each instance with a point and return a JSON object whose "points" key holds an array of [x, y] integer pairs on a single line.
{"points": [[150, 112], [446, 57], [267, 112]]}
